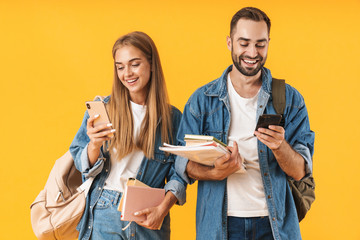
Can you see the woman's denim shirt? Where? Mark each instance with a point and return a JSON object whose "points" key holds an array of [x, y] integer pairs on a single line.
{"points": [[207, 112], [153, 172]]}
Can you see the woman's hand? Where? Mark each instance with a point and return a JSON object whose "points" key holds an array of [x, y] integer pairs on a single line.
{"points": [[98, 135], [156, 215]]}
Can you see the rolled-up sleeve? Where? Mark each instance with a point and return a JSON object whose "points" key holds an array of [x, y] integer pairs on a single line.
{"points": [[305, 153], [178, 189], [180, 166], [175, 183], [298, 132], [86, 169]]}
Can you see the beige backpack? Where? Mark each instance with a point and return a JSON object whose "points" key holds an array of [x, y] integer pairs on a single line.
{"points": [[58, 208]]}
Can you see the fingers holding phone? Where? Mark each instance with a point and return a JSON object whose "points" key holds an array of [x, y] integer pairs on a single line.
{"points": [[99, 128], [269, 132], [100, 133]]}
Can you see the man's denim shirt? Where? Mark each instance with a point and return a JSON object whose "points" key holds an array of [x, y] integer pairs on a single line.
{"points": [[207, 112], [152, 172]]}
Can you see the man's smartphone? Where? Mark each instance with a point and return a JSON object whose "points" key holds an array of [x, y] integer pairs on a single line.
{"points": [[98, 107], [268, 119]]}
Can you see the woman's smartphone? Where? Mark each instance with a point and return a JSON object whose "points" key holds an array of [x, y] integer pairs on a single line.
{"points": [[98, 107], [268, 119]]}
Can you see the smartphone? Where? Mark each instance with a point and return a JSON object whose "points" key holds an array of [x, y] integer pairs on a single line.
{"points": [[268, 119], [98, 107]]}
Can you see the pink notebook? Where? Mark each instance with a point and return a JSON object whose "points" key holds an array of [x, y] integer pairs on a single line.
{"points": [[137, 198]]}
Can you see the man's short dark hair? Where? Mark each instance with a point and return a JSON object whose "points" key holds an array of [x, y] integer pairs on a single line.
{"points": [[250, 13]]}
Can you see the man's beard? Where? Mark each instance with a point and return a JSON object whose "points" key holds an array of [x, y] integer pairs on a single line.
{"points": [[248, 71]]}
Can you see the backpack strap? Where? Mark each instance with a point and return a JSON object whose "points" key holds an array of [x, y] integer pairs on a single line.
{"points": [[98, 97], [279, 97], [303, 191]]}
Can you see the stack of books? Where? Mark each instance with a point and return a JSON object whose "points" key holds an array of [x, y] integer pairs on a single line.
{"points": [[200, 148], [195, 140]]}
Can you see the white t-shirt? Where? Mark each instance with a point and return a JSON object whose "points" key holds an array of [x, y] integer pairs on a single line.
{"points": [[246, 197], [128, 166]]}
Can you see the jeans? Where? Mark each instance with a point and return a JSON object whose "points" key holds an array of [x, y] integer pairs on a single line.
{"points": [[255, 228], [108, 226]]}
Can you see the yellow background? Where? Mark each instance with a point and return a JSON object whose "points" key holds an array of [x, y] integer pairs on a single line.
{"points": [[55, 55]]}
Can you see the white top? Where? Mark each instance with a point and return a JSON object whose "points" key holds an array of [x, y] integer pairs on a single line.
{"points": [[246, 197], [128, 166]]}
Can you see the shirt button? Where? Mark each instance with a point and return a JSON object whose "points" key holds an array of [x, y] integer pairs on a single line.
{"points": [[89, 227], [269, 196], [261, 151], [139, 173], [265, 174], [106, 170], [132, 234], [99, 188], [164, 160], [273, 219], [261, 106]]}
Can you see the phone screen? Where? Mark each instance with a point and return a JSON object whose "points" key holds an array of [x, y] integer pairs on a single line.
{"points": [[268, 119]]}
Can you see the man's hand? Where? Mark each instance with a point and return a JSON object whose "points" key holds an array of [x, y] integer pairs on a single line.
{"points": [[223, 166], [228, 164], [272, 137], [291, 162]]}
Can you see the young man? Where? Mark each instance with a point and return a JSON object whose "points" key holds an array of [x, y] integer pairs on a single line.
{"points": [[257, 204]]}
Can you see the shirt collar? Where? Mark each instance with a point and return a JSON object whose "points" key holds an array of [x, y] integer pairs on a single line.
{"points": [[219, 88]]}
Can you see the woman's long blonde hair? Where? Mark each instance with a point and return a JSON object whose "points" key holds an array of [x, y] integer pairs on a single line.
{"points": [[158, 109]]}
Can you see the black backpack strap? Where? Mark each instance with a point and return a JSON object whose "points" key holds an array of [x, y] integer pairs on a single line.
{"points": [[279, 97]]}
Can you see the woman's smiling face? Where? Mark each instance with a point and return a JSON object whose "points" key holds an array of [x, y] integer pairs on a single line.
{"points": [[133, 70]]}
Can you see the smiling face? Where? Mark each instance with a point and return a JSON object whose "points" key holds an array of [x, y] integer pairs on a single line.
{"points": [[133, 70], [249, 45]]}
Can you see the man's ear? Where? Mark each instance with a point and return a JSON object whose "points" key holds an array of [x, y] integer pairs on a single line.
{"points": [[228, 42]]}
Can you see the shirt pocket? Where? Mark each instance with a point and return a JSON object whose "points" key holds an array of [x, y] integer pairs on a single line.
{"points": [[104, 201]]}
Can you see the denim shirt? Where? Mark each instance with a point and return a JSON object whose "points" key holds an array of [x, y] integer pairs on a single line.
{"points": [[152, 172], [207, 112]]}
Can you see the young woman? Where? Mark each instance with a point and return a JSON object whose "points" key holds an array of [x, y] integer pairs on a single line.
{"points": [[142, 119]]}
